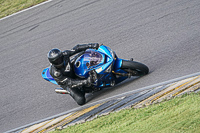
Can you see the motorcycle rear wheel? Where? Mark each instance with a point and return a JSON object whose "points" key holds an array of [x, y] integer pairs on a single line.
{"points": [[137, 68]]}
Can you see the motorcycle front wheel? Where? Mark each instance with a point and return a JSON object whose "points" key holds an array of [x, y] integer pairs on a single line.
{"points": [[135, 68]]}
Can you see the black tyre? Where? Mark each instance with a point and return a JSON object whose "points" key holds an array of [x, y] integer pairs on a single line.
{"points": [[137, 69]]}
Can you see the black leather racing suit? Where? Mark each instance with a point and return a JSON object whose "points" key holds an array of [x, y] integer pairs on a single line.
{"points": [[66, 77]]}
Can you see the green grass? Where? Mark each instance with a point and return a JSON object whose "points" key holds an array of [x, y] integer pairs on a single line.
{"points": [[180, 114], [8, 7]]}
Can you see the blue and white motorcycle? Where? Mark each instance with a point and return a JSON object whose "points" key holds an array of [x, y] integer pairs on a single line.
{"points": [[110, 69]]}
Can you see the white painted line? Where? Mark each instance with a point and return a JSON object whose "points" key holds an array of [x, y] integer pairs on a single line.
{"points": [[34, 127], [107, 99], [25, 10]]}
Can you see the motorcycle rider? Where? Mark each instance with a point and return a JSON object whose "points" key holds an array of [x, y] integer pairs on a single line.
{"points": [[61, 69]]}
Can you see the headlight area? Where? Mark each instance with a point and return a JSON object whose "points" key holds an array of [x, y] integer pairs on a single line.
{"points": [[108, 59], [113, 54], [102, 70], [109, 69]]}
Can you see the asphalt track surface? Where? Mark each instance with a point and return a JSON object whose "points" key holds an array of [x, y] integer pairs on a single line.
{"points": [[163, 34]]}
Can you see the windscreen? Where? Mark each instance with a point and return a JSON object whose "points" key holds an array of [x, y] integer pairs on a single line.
{"points": [[92, 58]]}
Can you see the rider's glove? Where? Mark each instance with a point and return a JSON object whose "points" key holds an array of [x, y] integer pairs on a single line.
{"points": [[93, 45], [92, 77], [63, 82]]}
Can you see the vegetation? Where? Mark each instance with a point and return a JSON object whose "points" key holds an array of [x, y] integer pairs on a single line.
{"points": [[8, 7], [181, 114]]}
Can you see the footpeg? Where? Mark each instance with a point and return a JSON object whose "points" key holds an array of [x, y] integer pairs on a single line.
{"points": [[61, 91], [112, 83]]}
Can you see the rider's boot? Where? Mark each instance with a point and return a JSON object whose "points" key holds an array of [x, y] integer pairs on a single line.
{"points": [[77, 95]]}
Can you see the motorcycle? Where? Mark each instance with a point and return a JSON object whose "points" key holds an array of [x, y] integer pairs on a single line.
{"points": [[110, 69]]}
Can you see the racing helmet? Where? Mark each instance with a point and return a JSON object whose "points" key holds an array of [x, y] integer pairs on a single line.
{"points": [[55, 57]]}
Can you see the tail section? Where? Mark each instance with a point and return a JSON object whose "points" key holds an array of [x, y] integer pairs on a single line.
{"points": [[46, 75]]}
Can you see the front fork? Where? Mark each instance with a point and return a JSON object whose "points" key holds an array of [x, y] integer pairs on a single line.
{"points": [[116, 76], [120, 74]]}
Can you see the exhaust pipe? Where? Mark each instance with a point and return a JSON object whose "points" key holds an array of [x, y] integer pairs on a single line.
{"points": [[61, 91]]}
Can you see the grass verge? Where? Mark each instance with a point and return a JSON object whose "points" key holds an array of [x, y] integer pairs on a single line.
{"points": [[181, 114], [8, 7]]}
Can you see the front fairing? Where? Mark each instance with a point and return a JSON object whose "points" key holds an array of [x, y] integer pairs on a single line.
{"points": [[109, 60], [82, 68], [88, 61]]}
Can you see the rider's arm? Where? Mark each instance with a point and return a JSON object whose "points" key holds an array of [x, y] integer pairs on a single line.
{"points": [[66, 81], [83, 47], [80, 47]]}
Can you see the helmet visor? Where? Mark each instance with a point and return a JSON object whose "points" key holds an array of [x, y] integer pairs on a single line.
{"points": [[58, 61]]}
